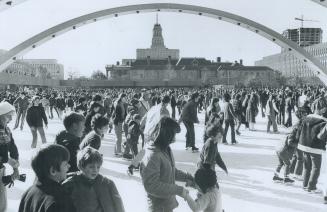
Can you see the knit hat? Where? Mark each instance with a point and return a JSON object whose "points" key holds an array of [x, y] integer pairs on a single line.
{"points": [[5, 108]]}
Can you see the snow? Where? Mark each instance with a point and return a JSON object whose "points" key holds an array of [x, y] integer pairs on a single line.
{"points": [[247, 188]]}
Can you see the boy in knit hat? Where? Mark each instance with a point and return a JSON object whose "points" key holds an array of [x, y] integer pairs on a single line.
{"points": [[7, 146]]}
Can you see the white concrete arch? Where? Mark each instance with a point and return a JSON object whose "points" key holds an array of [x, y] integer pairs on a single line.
{"points": [[321, 2], [35, 41]]}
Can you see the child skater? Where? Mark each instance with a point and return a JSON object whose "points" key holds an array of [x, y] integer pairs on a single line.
{"points": [[285, 153], [209, 194], [209, 155], [89, 190]]}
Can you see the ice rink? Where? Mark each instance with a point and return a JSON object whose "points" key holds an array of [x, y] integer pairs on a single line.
{"points": [[247, 188]]}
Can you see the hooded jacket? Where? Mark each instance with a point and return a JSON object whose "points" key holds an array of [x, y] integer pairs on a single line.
{"points": [[313, 134]]}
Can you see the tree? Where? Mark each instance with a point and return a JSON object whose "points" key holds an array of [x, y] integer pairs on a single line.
{"points": [[72, 74], [98, 75]]}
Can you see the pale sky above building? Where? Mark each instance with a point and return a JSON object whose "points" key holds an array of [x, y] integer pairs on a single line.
{"points": [[104, 42]]}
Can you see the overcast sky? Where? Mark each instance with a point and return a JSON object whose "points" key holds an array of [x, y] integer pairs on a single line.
{"points": [[93, 46]]}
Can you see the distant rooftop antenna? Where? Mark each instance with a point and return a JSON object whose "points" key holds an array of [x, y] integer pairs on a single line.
{"points": [[157, 18]]}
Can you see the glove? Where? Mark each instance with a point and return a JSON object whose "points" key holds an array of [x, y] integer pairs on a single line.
{"points": [[8, 180]]}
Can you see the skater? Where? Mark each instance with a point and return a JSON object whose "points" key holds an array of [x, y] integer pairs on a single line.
{"points": [[158, 169], [209, 195], [229, 117], [9, 152], [89, 190], [285, 153], [210, 155], [100, 125], [71, 137], [22, 103], [47, 194], [35, 118], [134, 133], [189, 117], [312, 141]]}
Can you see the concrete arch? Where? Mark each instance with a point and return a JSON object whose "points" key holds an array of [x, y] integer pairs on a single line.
{"points": [[321, 2], [31, 43]]}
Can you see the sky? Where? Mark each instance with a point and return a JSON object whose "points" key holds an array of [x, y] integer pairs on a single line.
{"points": [[96, 45]]}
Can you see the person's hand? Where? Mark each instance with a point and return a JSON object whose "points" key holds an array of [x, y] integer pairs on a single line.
{"points": [[190, 183], [15, 175], [185, 193], [46, 126]]}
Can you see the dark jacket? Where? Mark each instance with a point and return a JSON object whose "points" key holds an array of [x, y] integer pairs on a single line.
{"points": [[22, 103], [36, 116], [173, 101], [71, 142], [189, 112], [101, 190], [134, 132], [313, 134], [210, 156], [119, 113], [7, 145], [60, 103], [47, 196], [92, 139], [52, 101]]}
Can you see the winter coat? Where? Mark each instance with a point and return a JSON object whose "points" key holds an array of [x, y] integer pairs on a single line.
{"points": [[189, 113], [22, 103], [70, 102], [271, 108], [52, 101], [46, 196], [313, 134], [119, 113], [211, 112], [173, 102], [208, 202], [60, 103], [229, 113], [36, 116], [288, 148], [209, 155], [237, 106], [251, 111], [159, 173], [86, 194], [134, 132], [7, 145], [71, 142]]}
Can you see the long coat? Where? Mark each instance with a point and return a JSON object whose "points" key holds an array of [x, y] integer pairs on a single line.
{"points": [[159, 173]]}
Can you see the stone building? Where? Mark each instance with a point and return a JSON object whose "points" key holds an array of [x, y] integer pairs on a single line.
{"points": [[161, 63]]}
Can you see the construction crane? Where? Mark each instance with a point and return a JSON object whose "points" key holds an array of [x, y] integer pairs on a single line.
{"points": [[303, 20]]}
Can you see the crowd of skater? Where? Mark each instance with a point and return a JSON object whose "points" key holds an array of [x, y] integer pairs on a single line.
{"points": [[144, 123]]}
